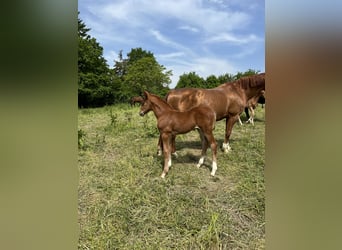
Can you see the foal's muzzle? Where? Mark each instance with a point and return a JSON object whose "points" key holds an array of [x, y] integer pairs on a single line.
{"points": [[141, 113]]}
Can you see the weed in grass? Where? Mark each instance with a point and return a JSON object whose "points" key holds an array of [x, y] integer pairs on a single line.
{"points": [[81, 139]]}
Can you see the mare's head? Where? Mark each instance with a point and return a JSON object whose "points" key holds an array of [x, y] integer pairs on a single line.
{"points": [[146, 105], [253, 86]]}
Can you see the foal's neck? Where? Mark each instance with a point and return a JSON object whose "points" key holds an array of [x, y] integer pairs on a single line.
{"points": [[160, 108]]}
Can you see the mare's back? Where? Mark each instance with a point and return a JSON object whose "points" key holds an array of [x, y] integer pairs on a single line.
{"points": [[185, 99]]}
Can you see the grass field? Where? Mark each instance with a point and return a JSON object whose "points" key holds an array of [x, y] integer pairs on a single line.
{"points": [[124, 204]]}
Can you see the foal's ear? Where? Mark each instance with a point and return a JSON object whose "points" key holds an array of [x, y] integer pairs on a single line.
{"points": [[145, 94]]}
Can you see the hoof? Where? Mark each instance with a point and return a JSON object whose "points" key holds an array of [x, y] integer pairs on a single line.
{"points": [[175, 154], [162, 175], [226, 148]]}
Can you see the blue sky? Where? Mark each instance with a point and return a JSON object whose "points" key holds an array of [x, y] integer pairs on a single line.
{"points": [[204, 36]]}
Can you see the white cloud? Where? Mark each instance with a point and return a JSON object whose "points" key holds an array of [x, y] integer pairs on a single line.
{"points": [[164, 40], [189, 28], [192, 12], [110, 57], [171, 55], [231, 38]]}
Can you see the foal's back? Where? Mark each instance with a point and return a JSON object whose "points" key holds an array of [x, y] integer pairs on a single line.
{"points": [[179, 122]]}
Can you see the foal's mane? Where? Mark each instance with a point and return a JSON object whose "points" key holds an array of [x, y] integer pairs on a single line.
{"points": [[160, 100]]}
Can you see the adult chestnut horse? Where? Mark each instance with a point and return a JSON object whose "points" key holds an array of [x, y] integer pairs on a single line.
{"points": [[251, 105], [136, 99], [171, 122], [228, 100]]}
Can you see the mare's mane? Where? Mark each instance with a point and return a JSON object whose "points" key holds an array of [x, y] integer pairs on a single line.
{"points": [[248, 82]]}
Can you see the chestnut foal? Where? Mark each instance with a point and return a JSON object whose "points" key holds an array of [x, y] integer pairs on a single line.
{"points": [[171, 122]]}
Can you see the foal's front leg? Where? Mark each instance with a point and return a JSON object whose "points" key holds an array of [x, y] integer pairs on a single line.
{"points": [[173, 145], [166, 140]]}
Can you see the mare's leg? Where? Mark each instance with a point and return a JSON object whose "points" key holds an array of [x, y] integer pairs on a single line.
{"points": [[230, 121], [251, 118], [252, 115], [240, 120], [246, 112], [166, 140], [204, 143]]}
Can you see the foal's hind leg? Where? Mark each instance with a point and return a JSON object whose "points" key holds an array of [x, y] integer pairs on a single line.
{"points": [[160, 146], [213, 145], [173, 145]]}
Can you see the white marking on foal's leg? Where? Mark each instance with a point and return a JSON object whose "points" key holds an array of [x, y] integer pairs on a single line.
{"points": [[159, 152], [169, 162], [240, 121], [162, 175], [200, 162], [214, 168], [226, 147]]}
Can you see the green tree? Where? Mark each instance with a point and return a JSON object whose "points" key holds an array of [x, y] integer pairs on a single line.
{"points": [[225, 78], [121, 65], [96, 83], [138, 53], [190, 80], [146, 74], [211, 82], [249, 72], [140, 71]]}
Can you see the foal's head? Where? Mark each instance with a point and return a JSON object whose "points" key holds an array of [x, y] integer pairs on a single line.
{"points": [[146, 105]]}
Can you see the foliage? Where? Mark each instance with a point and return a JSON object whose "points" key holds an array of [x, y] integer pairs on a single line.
{"points": [[225, 78], [211, 82], [96, 84], [145, 74], [190, 80], [249, 72]]}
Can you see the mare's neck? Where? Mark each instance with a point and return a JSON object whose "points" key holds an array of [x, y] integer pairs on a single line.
{"points": [[254, 91]]}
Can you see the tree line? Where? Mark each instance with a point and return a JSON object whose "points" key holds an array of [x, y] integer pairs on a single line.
{"points": [[100, 85]]}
